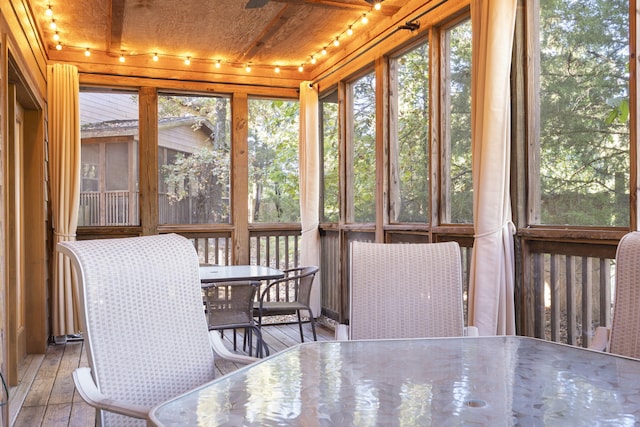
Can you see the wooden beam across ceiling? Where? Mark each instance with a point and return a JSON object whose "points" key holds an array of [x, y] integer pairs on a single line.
{"points": [[114, 38], [280, 20]]}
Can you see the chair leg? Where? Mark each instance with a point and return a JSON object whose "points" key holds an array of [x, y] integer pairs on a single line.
{"points": [[300, 326], [313, 325]]}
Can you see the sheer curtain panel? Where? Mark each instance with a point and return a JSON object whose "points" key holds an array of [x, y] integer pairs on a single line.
{"points": [[64, 179], [491, 299], [310, 186]]}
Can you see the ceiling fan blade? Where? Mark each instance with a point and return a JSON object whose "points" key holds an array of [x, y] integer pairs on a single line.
{"points": [[255, 4]]}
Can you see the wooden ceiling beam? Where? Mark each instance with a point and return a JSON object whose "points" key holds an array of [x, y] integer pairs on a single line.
{"points": [[276, 23], [116, 20], [359, 5]]}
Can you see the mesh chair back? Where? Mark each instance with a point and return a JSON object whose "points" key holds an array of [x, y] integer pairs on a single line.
{"points": [[230, 304], [405, 290], [625, 330], [146, 333], [305, 277]]}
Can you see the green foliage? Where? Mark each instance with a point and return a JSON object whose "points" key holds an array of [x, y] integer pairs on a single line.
{"points": [[460, 206], [584, 111], [364, 149], [273, 160], [331, 189], [198, 181], [411, 195]]}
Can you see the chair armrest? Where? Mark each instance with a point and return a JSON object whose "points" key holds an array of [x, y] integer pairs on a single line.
{"points": [[471, 331], [221, 350], [342, 332], [600, 339], [89, 392]]}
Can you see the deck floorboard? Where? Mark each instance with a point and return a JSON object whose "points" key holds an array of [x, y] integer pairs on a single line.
{"points": [[48, 398]]}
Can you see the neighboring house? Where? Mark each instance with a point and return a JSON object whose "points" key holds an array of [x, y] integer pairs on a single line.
{"points": [[109, 189]]}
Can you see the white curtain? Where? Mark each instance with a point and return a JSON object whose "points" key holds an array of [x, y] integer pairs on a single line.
{"points": [[64, 179], [491, 299], [310, 187]]}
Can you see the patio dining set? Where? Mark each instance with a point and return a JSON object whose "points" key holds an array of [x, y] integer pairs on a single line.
{"points": [[406, 360]]}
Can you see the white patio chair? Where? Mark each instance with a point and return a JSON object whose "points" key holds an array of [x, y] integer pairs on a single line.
{"points": [[145, 329], [404, 291], [624, 336]]}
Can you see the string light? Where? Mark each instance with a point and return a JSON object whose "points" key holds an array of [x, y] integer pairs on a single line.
{"points": [[349, 31]]}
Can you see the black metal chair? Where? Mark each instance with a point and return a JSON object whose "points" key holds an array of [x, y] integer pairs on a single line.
{"points": [[287, 296], [229, 305]]}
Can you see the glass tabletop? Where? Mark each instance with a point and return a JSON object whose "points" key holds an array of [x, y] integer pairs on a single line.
{"points": [[448, 381], [229, 273]]}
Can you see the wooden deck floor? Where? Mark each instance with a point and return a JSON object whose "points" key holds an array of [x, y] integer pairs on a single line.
{"points": [[46, 395]]}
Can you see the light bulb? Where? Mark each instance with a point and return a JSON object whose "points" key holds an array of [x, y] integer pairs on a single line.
{"points": [[87, 52], [301, 68], [53, 25], [277, 69], [56, 36], [121, 57], [218, 64], [155, 57], [349, 31], [377, 5], [187, 61], [336, 42], [313, 59], [324, 50], [59, 46], [247, 68], [364, 18], [49, 11]]}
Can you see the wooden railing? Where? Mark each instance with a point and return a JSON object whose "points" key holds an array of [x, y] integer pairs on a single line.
{"points": [[567, 296], [116, 208], [563, 290]]}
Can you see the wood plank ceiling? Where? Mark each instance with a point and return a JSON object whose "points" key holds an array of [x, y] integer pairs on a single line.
{"points": [[236, 33]]}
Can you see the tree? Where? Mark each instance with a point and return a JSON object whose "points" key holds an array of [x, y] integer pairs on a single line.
{"points": [[584, 134], [273, 160]]}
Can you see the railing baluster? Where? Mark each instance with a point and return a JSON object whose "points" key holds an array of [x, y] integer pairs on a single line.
{"points": [[555, 296], [605, 293], [538, 295], [587, 300], [571, 304]]}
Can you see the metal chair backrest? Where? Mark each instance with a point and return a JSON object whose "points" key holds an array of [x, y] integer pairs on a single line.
{"points": [[230, 304], [405, 290], [145, 331]]}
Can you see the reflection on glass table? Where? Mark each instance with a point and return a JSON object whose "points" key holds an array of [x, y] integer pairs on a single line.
{"points": [[438, 381]]}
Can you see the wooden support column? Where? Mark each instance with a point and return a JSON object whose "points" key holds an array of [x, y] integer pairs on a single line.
{"points": [[382, 147], [240, 178], [148, 179]]}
